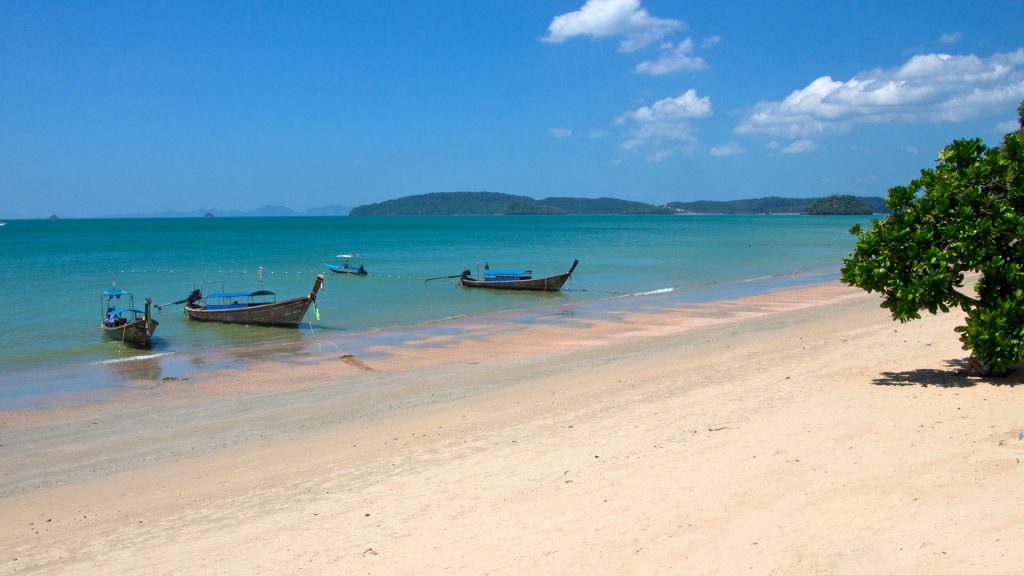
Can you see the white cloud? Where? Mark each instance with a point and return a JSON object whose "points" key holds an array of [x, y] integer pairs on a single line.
{"points": [[730, 149], [597, 134], [1008, 126], [673, 59], [606, 18], [659, 132], [560, 132], [796, 147], [951, 37], [667, 120], [927, 88], [660, 156], [710, 41], [686, 105]]}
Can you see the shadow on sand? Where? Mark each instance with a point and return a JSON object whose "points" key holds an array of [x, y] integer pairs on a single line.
{"points": [[952, 377]]}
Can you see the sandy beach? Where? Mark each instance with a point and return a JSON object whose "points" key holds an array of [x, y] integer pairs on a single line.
{"points": [[798, 432]]}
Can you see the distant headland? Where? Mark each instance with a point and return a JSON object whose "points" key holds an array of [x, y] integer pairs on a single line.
{"points": [[483, 203]]}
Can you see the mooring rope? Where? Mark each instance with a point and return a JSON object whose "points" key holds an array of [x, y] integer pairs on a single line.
{"points": [[371, 275]]}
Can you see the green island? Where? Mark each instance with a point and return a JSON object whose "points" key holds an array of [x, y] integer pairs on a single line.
{"points": [[482, 203], [477, 203]]}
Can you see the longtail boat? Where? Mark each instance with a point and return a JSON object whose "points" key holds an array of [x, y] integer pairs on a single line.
{"points": [[122, 321], [259, 307], [345, 268], [514, 279]]}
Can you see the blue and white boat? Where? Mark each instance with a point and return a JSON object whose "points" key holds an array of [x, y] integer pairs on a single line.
{"points": [[514, 279], [345, 268]]}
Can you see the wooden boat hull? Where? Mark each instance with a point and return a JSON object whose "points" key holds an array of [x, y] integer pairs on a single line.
{"points": [[138, 333], [287, 313], [547, 284], [346, 270], [284, 313]]}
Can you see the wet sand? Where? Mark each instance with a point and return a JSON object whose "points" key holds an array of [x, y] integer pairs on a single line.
{"points": [[798, 432]]}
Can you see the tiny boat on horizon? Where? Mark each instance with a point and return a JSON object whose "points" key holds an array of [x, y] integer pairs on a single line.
{"points": [[514, 279], [126, 323]]}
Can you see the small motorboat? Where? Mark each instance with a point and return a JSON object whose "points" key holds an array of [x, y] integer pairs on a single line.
{"points": [[345, 268]]}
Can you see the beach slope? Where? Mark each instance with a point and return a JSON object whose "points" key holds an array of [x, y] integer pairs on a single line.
{"points": [[799, 432]]}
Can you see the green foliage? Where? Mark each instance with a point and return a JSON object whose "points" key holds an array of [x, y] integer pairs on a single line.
{"points": [[602, 206], [531, 209], [443, 203], [964, 216], [464, 203], [844, 204]]}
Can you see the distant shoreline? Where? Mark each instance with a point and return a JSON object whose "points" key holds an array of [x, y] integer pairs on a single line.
{"points": [[243, 216], [496, 203]]}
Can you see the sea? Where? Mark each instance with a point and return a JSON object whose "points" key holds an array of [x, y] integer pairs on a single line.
{"points": [[54, 273]]}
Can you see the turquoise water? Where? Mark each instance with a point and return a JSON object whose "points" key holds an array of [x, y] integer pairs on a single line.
{"points": [[54, 270]]}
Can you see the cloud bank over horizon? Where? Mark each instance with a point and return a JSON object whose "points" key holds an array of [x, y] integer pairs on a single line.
{"points": [[927, 88]]}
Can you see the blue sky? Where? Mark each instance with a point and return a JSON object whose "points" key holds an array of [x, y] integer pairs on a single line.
{"points": [[134, 107]]}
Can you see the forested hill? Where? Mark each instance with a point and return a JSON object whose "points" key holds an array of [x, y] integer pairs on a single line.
{"points": [[777, 205], [470, 203], [474, 203]]}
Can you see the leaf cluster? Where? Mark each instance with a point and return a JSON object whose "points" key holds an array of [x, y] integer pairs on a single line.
{"points": [[965, 216]]}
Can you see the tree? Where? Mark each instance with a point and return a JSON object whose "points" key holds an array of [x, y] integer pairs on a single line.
{"points": [[965, 216]]}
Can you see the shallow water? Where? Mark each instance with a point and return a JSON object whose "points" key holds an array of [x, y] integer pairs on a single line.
{"points": [[55, 270]]}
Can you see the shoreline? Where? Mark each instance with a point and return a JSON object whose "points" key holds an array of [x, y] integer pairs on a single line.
{"points": [[799, 431], [94, 380]]}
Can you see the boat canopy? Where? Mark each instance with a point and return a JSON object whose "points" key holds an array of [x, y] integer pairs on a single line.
{"points": [[508, 272], [122, 311], [239, 294], [352, 255], [113, 292]]}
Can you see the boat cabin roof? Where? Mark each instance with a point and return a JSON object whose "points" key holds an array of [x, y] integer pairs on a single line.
{"points": [[115, 292], [507, 272], [352, 255], [239, 294], [122, 311]]}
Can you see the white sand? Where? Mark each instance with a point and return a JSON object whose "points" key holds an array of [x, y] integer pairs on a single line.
{"points": [[801, 432]]}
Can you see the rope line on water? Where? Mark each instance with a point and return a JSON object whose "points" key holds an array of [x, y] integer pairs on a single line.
{"points": [[370, 276]]}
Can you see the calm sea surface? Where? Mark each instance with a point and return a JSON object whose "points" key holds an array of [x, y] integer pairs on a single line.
{"points": [[54, 271]]}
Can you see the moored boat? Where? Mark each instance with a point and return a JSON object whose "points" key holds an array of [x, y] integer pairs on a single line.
{"points": [[515, 279], [126, 323], [345, 268], [259, 307]]}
